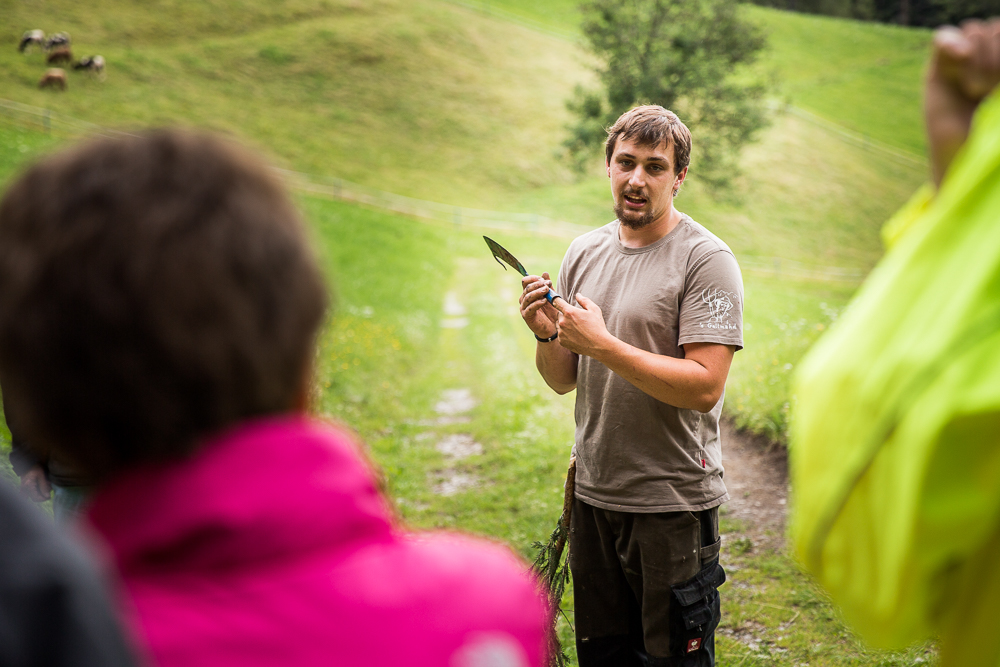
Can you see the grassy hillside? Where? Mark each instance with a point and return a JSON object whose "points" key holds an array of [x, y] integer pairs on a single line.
{"points": [[864, 76], [421, 98], [340, 88], [453, 102]]}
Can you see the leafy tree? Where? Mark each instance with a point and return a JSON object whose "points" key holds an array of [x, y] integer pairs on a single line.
{"points": [[933, 12], [906, 12], [843, 8], [690, 56]]}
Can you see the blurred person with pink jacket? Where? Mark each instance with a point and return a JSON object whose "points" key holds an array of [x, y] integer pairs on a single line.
{"points": [[159, 307]]}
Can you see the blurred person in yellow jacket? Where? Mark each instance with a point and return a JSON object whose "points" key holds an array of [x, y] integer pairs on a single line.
{"points": [[895, 443]]}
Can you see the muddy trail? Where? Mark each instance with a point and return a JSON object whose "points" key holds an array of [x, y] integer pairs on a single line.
{"points": [[757, 479]]}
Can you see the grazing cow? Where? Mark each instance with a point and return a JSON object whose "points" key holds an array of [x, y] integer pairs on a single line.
{"points": [[93, 64], [60, 55], [57, 40], [54, 78], [36, 37]]}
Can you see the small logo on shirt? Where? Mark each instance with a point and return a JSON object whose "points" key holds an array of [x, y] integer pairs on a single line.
{"points": [[694, 645], [720, 304]]}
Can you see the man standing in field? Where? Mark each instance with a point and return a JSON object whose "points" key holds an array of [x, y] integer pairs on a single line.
{"points": [[648, 348]]}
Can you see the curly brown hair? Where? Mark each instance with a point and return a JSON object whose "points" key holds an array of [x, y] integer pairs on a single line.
{"points": [[153, 289]]}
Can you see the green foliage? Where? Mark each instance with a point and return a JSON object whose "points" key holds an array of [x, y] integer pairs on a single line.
{"points": [[863, 75], [553, 570], [858, 9], [690, 57], [550, 566], [905, 12]]}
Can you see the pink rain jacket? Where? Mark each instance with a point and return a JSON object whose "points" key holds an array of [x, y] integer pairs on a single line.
{"points": [[272, 546]]}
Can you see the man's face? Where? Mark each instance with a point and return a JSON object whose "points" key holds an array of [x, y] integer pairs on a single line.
{"points": [[643, 182]]}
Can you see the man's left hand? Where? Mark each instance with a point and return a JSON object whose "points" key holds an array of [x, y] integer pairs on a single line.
{"points": [[582, 330]]}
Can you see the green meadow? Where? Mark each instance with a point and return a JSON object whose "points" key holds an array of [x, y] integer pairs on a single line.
{"points": [[462, 103]]}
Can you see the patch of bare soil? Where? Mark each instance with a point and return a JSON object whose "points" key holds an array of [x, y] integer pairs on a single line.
{"points": [[451, 482], [452, 409], [757, 479], [749, 634]]}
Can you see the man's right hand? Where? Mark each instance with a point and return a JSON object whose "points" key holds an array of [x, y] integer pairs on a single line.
{"points": [[35, 485], [556, 364], [540, 315], [965, 68]]}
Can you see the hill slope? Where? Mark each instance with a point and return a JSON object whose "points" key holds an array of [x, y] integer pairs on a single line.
{"points": [[447, 102], [863, 75], [420, 98]]}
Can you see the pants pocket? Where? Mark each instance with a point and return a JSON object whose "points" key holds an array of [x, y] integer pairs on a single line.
{"points": [[694, 616]]}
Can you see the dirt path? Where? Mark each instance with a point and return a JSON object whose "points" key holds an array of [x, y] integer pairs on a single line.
{"points": [[757, 479]]}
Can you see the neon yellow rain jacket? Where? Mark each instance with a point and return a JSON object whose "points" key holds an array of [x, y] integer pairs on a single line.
{"points": [[895, 439]]}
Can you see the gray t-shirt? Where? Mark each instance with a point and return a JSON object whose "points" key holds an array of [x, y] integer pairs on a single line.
{"points": [[633, 452]]}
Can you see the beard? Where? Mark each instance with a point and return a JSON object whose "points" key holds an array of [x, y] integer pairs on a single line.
{"points": [[632, 219]]}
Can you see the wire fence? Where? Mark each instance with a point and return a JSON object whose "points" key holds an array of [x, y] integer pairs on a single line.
{"points": [[428, 211], [52, 121]]}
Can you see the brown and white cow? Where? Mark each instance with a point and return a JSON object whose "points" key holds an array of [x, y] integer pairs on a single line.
{"points": [[53, 78]]}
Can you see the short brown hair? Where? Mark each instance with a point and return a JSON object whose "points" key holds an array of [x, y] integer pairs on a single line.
{"points": [[152, 289], [652, 125]]}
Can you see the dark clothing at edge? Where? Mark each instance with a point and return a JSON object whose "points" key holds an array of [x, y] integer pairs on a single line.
{"points": [[54, 610]]}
